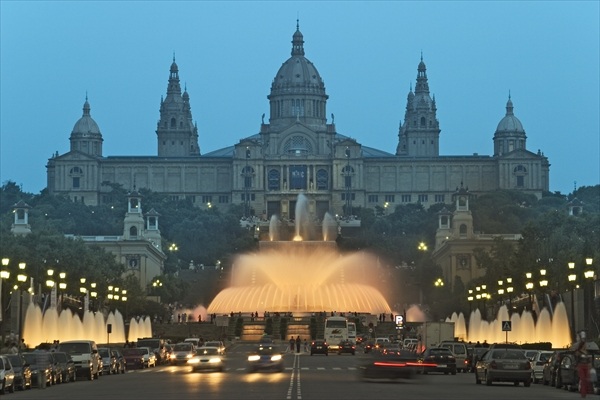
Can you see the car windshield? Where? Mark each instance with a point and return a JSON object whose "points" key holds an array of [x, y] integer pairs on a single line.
{"points": [[104, 353], [213, 344], [509, 355], [444, 352], [265, 350], [75, 348], [152, 343], [133, 352], [182, 347], [545, 356], [209, 351], [15, 360]]}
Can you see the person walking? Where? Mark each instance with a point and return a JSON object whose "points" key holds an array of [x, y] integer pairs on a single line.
{"points": [[305, 346], [292, 342], [583, 365], [298, 343]]}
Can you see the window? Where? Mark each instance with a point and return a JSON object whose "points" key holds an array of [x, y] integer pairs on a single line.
{"points": [[76, 182], [274, 178], [520, 172], [390, 198], [223, 199], [440, 198], [322, 180], [373, 198], [174, 197], [423, 198], [248, 173], [423, 122], [298, 145], [251, 197], [352, 196], [133, 231], [406, 198], [173, 123], [347, 172], [462, 230], [206, 199]]}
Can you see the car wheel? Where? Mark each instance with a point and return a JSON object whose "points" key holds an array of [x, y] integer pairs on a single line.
{"points": [[488, 379], [453, 372], [11, 388], [477, 380], [527, 383], [516, 383]]}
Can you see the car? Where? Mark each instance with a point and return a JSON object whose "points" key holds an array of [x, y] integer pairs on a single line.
{"points": [[266, 340], [57, 372], [121, 361], [476, 355], [149, 357], [207, 358], [459, 349], [390, 366], [194, 340], [67, 366], [216, 343], [134, 358], [40, 363], [85, 356], [569, 374], [438, 359], [22, 371], [157, 345], [369, 346], [182, 352], [319, 347], [552, 368], [346, 346], [109, 360], [7, 376], [538, 360], [265, 358], [503, 365]]}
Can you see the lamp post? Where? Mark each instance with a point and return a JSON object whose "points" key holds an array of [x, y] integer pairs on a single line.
{"points": [[51, 285], [4, 274], [124, 300], [93, 295], [543, 284], [470, 298], [589, 275], [21, 278], [63, 287], [572, 278], [529, 287], [484, 297], [509, 291]]}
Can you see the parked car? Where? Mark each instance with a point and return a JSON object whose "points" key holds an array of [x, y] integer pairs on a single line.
{"points": [[69, 374], [476, 355], [7, 376], [265, 358], [346, 346], [40, 363], [569, 376], [121, 361], [438, 359], [57, 372], [549, 371], [538, 360], [109, 360], [149, 357], [503, 365], [182, 352], [22, 371], [134, 358], [319, 347], [207, 358], [459, 349], [85, 356], [157, 345]]}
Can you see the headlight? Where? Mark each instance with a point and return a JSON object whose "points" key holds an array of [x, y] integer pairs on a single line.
{"points": [[276, 357], [215, 360], [193, 361], [253, 358], [188, 356], [172, 356]]}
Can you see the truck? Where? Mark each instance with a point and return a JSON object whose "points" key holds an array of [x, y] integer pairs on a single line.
{"points": [[430, 334]]}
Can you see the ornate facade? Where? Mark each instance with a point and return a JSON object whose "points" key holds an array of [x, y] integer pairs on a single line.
{"points": [[298, 150]]}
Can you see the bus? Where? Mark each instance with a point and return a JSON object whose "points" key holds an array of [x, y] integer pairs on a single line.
{"points": [[336, 330], [352, 332]]}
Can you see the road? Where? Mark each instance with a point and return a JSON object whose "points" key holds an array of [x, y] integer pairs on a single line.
{"points": [[305, 377]]}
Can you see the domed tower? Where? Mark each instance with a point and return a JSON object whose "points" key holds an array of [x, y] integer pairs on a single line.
{"points": [[297, 91], [176, 132], [509, 134], [419, 136], [86, 136]]}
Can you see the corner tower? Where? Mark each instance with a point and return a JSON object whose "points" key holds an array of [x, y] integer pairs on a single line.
{"points": [[419, 136], [176, 132]]}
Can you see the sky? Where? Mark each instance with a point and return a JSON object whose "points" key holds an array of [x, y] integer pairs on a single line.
{"points": [[545, 54]]}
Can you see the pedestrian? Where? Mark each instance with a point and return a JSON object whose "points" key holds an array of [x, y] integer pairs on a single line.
{"points": [[298, 343], [583, 365], [292, 342], [305, 346]]}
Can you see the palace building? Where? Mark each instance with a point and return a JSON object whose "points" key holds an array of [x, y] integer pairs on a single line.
{"points": [[298, 150]]}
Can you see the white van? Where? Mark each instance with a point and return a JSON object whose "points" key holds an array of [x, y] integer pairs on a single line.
{"points": [[85, 357], [460, 353]]}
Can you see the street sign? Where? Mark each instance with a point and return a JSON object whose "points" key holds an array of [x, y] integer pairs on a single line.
{"points": [[506, 326]]}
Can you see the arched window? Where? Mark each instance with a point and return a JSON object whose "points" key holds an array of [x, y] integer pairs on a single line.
{"points": [[423, 123], [248, 174], [348, 172], [462, 230], [76, 174], [274, 179], [297, 145], [322, 180], [173, 123], [133, 232], [520, 173]]}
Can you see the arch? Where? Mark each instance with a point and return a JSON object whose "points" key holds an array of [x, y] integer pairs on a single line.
{"points": [[462, 230], [297, 145], [133, 231], [322, 179], [274, 179], [423, 122], [173, 123], [248, 175]]}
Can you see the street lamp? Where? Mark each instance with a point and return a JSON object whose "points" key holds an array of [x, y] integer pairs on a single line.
{"points": [[572, 278], [543, 284], [509, 291], [470, 298], [589, 275], [4, 274], [21, 278], [63, 287], [439, 282]]}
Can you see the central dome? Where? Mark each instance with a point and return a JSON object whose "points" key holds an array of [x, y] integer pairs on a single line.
{"points": [[297, 91]]}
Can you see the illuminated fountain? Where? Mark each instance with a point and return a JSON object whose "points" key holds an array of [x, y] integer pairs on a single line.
{"points": [[524, 329], [51, 325], [303, 275]]}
